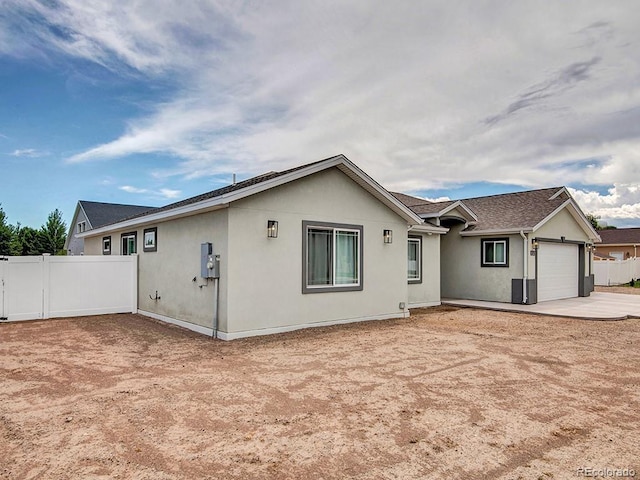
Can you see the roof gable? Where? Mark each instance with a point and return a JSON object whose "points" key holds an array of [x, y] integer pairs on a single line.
{"points": [[100, 213], [222, 197]]}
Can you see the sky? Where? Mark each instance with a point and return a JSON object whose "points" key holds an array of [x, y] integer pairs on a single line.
{"points": [[148, 101]]}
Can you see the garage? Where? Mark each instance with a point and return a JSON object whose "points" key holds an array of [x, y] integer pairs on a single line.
{"points": [[557, 271]]}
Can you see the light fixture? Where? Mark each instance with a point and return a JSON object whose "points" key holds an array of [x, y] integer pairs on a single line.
{"points": [[272, 229], [535, 244], [388, 236]]}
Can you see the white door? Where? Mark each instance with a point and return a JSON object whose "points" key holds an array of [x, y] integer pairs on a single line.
{"points": [[557, 271]]}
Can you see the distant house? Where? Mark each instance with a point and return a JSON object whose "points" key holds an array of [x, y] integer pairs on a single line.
{"points": [[524, 247], [318, 244], [619, 243], [90, 215]]}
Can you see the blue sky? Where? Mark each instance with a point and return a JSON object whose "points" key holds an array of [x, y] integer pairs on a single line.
{"points": [[148, 102]]}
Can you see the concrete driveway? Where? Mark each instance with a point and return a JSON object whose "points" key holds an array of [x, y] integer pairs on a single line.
{"points": [[598, 306]]}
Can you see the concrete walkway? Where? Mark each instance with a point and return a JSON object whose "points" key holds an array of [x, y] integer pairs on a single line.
{"points": [[599, 306]]}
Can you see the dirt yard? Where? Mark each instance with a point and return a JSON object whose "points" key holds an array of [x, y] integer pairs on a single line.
{"points": [[447, 394], [627, 290]]}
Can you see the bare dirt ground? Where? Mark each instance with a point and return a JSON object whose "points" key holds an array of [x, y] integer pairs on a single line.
{"points": [[627, 290], [448, 393]]}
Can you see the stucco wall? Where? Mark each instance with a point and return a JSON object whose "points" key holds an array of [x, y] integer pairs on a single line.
{"points": [[462, 275], [171, 269], [76, 245], [427, 292], [265, 275]]}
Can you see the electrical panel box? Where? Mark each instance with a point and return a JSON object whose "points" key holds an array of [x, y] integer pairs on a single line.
{"points": [[209, 261]]}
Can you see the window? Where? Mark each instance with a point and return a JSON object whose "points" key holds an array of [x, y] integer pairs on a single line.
{"points": [[150, 240], [495, 252], [617, 255], [129, 241], [414, 260], [82, 226], [332, 257], [106, 245]]}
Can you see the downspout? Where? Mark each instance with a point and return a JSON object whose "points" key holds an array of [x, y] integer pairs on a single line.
{"points": [[525, 266]]}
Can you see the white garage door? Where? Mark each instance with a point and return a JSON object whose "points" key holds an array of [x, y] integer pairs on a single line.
{"points": [[557, 271]]}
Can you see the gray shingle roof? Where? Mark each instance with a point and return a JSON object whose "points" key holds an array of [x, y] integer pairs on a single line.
{"points": [[514, 211], [222, 191], [100, 214], [621, 236], [509, 211]]}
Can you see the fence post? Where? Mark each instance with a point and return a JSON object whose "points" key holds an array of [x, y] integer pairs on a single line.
{"points": [[46, 285], [134, 283]]}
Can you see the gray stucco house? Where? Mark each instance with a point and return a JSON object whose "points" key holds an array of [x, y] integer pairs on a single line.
{"points": [[90, 215], [524, 247], [318, 244]]}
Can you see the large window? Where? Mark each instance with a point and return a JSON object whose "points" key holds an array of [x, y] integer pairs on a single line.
{"points": [[332, 257], [495, 252], [129, 241], [414, 260]]}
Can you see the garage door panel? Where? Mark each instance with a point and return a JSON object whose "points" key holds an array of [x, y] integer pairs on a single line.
{"points": [[557, 271]]}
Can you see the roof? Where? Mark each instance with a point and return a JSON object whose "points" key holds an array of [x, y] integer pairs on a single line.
{"points": [[222, 197], [100, 214], [508, 212], [620, 236]]}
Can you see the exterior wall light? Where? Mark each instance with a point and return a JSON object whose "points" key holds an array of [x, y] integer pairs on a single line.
{"points": [[535, 244], [272, 229], [387, 235]]}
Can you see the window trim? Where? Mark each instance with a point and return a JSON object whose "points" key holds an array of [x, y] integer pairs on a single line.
{"points": [[106, 251], [135, 241], [306, 225], [415, 239], [154, 247], [494, 241], [82, 227]]}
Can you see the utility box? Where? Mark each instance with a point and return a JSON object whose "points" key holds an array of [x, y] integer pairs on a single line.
{"points": [[209, 261]]}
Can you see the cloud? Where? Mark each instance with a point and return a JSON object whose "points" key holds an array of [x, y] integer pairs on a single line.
{"points": [[28, 152], [161, 193], [421, 95]]}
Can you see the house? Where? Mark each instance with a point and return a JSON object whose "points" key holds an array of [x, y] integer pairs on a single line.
{"points": [[524, 247], [619, 243], [90, 215], [318, 244]]}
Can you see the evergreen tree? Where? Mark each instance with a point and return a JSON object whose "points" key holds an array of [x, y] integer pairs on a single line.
{"points": [[26, 241], [6, 234], [53, 234]]}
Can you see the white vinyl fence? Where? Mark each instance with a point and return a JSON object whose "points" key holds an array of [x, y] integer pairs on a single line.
{"points": [[616, 272], [47, 287]]}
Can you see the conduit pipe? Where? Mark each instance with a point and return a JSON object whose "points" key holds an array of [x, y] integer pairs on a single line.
{"points": [[525, 266]]}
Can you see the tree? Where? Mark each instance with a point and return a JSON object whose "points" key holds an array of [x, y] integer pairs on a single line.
{"points": [[26, 241], [6, 234], [595, 222], [53, 234]]}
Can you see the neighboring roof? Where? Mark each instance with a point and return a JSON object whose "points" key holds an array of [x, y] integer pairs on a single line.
{"points": [[221, 197], [621, 236], [602, 256], [100, 214], [509, 212]]}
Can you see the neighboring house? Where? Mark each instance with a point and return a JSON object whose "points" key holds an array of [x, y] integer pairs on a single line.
{"points": [[90, 215], [318, 244], [619, 243], [522, 247]]}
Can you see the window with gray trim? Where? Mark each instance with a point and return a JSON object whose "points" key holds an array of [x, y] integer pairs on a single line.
{"points": [[332, 257], [495, 252], [414, 259]]}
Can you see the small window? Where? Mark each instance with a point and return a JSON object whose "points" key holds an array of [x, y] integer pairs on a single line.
{"points": [[150, 239], [82, 227], [414, 260], [106, 245], [332, 257], [495, 252], [129, 241], [617, 255]]}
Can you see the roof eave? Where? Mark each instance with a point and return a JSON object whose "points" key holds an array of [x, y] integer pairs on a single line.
{"points": [[502, 231], [425, 228]]}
